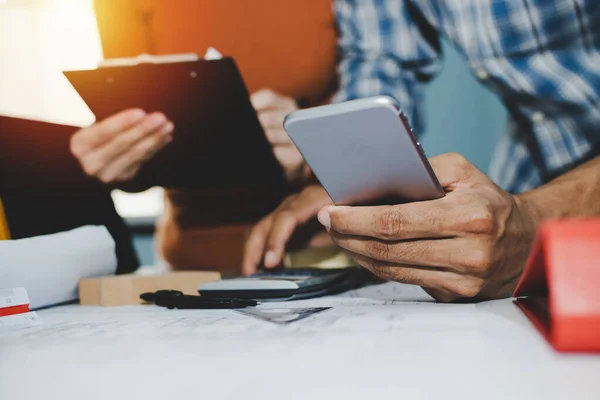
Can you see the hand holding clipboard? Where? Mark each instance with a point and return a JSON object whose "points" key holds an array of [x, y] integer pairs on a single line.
{"points": [[217, 139]]}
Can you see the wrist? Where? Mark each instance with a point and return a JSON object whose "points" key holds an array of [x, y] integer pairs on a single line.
{"points": [[532, 210], [573, 195], [547, 202], [552, 201]]}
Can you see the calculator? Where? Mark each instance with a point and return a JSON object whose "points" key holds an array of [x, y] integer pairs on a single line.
{"points": [[287, 284]]}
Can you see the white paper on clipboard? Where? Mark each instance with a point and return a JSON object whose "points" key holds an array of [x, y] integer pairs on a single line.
{"points": [[212, 54]]}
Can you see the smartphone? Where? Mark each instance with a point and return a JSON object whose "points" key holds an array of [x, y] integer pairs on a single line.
{"points": [[363, 151]]}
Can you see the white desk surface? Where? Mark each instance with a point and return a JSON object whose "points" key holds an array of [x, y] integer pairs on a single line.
{"points": [[366, 347]]}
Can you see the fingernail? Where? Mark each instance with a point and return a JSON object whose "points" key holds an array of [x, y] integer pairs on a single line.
{"points": [[271, 259], [158, 118], [137, 114], [324, 217], [168, 128]]}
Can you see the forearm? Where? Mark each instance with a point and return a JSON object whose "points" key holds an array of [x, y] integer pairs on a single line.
{"points": [[573, 195]]}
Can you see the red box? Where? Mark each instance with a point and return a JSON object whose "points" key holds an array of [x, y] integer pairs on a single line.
{"points": [[562, 283]]}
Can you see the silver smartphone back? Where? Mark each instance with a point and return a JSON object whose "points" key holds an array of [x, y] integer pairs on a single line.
{"points": [[363, 151]]}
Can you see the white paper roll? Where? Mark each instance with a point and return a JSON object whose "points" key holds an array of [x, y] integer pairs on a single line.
{"points": [[50, 266]]}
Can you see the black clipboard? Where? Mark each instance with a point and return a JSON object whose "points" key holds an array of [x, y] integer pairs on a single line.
{"points": [[35, 159], [44, 189], [218, 141]]}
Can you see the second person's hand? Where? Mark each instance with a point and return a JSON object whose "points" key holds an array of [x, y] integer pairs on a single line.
{"points": [[272, 108], [268, 238], [114, 150]]}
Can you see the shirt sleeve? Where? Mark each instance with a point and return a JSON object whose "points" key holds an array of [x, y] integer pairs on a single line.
{"points": [[386, 47]]}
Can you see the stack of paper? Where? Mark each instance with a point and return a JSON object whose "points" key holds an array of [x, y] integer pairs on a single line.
{"points": [[14, 309]]}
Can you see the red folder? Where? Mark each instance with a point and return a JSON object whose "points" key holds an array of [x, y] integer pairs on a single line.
{"points": [[562, 283]]}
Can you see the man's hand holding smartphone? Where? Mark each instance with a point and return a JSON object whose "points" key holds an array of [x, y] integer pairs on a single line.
{"points": [[472, 243]]}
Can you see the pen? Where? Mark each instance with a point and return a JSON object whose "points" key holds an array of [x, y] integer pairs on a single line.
{"points": [[175, 299]]}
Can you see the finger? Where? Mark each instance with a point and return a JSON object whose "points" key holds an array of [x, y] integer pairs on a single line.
{"points": [[441, 253], [254, 247], [297, 211], [263, 99], [443, 296], [284, 225], [426, 278], [289, 157], [308, 202], [427, 219], [321, 240], [148, 147], [279, 137], [267, 99], [88, 139], [118, 169], [127, 175], [272, 119], [122, 144]]}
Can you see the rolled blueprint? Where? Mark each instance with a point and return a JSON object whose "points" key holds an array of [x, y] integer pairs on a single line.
{"points": [[49, 267]]}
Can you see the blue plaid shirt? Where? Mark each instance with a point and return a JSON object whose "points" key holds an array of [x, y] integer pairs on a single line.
{"points": [[540, 56]]}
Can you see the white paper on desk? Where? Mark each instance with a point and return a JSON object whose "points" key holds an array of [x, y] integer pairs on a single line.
{"points": [[382, 351], [19, 321], [391, 292], [99, 326], [49, 267]]}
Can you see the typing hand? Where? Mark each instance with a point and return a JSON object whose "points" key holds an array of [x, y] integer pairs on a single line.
{"points": [[472, 243], [269, 237], [272, 109], [114, 149]]}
